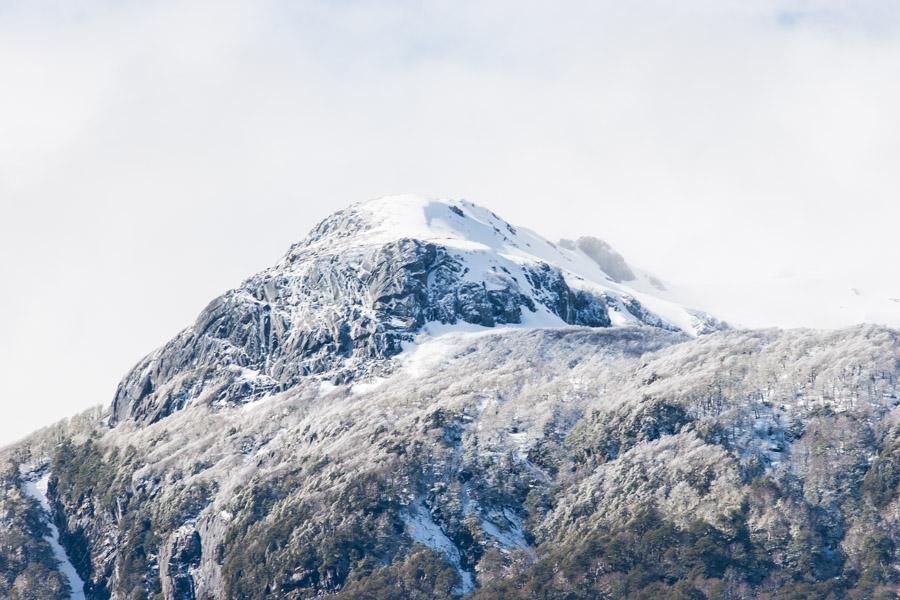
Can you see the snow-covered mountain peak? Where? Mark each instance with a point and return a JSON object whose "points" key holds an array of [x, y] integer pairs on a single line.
{"points": [[494, 251], [344, 302], [457, 224]]}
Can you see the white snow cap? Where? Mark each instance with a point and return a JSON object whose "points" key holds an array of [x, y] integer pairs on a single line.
{"points": [[492, 249]]}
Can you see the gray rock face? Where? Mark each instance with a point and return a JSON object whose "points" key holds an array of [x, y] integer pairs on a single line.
{"points": [[604, 255], [340, 318], [178, 557]]}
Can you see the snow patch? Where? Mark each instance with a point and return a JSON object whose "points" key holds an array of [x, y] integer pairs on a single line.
{"points": [[436, 341], [423, 530], [35, 486], [365, 387], [510, 535]]}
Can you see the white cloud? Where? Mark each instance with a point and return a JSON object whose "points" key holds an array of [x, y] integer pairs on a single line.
{"points": [[154, 154]]}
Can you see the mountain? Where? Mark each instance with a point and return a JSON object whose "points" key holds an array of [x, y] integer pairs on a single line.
{"points": [[421, 400]]}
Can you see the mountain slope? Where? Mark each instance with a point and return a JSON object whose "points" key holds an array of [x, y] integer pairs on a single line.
{"points": [[368, 420]]}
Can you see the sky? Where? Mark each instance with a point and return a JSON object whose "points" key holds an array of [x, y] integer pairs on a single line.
{"points": [[154, 154]]}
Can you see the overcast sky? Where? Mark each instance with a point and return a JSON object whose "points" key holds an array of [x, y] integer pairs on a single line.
{"points": [[153, 154]]}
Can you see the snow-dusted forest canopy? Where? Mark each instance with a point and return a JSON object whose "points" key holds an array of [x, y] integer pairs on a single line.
{"points": [[737, 464]]}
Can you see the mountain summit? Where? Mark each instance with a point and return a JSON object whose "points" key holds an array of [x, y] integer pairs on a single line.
{"points": [[371, 278]]}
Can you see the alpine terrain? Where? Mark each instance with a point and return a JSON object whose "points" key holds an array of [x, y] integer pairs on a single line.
{"points": [[421, 400]]}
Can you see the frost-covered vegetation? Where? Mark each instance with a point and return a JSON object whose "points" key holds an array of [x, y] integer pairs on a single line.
{"points": [[566, 463]]}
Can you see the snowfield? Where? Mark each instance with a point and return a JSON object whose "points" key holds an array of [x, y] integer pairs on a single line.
{"points": [[35, 487]]}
